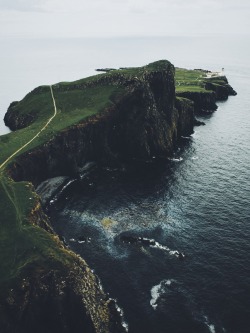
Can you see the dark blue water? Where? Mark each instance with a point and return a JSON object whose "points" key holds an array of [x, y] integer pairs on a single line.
{"points": [[197, 204]]}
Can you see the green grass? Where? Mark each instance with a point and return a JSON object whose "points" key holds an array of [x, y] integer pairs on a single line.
{"points": [[73, 107], [190, 88], [189, 80], [23, 245], [194, 80]]}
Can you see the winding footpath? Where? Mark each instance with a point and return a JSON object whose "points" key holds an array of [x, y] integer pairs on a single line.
{"points": [[41, 130]]}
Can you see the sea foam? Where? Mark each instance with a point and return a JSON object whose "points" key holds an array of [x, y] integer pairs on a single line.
{"points": [[157, 291]]}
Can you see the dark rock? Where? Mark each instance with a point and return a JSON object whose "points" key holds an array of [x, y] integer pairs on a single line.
{"points": [[137, 240], [204, 102], [181, 256], [105, 69], [83, 239]]}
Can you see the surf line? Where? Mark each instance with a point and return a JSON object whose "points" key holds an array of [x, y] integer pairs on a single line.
{"points": [[39, 132]]}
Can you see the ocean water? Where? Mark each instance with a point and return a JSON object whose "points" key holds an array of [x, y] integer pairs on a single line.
{"points": [[196, 204]]}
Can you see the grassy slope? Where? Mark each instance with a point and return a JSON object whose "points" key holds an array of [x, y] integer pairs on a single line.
{"points": [[23, 245], [72, 106], [189, 80]]}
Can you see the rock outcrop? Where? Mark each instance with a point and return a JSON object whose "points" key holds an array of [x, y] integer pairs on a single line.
{"points": [[57, 293], [204, 102], [215, 89]]}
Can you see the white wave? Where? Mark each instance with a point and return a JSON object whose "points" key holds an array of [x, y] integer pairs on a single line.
{"points": [[194, 158], [210, 326], [121, 313], [125, 325], [176, 159], [185, 137], [168, 282], [155, 294], [56, 197], [161, 247], [67, 185], [194, 135], [157, 291], [176, 253], [167, 249]]}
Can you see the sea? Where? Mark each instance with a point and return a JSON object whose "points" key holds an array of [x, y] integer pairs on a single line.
{"points": [[169, 240]]}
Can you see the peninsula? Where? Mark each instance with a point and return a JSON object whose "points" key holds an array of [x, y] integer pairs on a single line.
{"points": [[112, 118]]}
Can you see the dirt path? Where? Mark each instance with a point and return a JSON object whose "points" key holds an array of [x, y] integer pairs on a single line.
{"points": [[41, 130]]}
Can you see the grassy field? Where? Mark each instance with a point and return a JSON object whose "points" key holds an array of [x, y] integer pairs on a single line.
{"points": [[189, 80]]}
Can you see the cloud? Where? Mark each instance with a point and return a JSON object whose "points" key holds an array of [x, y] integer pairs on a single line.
{"points": [[22, 5], [85, 18], [117, 6]]}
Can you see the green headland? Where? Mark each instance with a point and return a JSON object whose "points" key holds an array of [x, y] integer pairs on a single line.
{"points": [[28, 246]]}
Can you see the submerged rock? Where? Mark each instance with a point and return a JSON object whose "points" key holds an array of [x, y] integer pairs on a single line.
{"points": [[137, 240]]}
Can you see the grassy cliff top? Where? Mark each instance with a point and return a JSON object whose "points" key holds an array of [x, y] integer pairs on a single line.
{"points": [[187, 80]]}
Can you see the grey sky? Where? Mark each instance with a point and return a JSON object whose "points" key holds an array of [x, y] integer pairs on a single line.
{"points": [[107, 18]]}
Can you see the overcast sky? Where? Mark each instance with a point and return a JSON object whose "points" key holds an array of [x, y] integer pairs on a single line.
{"points": [[108, 18]]}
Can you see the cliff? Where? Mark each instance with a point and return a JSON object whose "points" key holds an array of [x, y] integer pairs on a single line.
{"points": [[122, 115], [44, 286], [143, 121], [203, 90]]}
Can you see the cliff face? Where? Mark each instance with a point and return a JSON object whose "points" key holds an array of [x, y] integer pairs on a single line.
{"points": [[215, 89], [221, 91], [145, 122], [204, 102], [58, 293], [56, 302]]}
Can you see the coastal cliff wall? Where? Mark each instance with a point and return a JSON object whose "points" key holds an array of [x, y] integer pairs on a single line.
{"points": [[204, 102], [145, 122], [214, 89], [57, 292]]}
